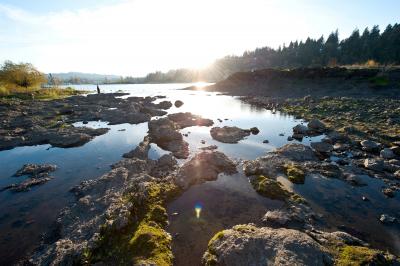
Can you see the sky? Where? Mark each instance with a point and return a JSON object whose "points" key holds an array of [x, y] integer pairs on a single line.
{"points": [[135, 37]]}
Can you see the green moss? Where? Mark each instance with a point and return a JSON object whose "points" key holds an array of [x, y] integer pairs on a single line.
{"points": [[355, 255], [295, 198], [151, 245], [295, 174], [270, 188], [144, 239], [217, 236], [41, 94], [158, 214]]}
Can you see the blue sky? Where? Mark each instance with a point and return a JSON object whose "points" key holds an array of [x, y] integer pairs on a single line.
{"points": [[134, 37]]}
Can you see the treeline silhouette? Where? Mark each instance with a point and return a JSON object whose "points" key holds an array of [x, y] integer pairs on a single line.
{"points": [[370, 45]]}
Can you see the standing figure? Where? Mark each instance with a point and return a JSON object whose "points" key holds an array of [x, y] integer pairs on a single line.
{"points": [[98, 89]]}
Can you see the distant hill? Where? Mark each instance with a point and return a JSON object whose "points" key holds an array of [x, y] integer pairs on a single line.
{"points": [[84, 78]]}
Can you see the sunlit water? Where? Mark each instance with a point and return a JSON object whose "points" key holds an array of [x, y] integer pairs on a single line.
{"points": [[230, 200]]}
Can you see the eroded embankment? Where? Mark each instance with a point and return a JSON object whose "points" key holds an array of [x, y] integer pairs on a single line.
{"points": [[318, 82]]}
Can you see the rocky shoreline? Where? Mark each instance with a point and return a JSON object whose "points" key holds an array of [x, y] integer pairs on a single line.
{"points": [[27, 123], [120, 217]]}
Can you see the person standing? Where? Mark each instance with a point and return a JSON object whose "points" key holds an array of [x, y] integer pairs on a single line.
{"points": [[98, 89]]}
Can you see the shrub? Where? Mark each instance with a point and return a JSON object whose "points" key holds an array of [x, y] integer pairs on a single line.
{"points": [[23, 75], [4, 91]]}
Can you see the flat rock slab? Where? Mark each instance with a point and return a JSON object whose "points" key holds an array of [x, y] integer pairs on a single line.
{"points": [[229, 134], [35, 169], [165, 132], [205, 166]]}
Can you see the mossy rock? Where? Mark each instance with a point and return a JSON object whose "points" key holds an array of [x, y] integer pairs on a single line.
{"points": [[357, 255], [152, 245], [295, 174], [159, 215], [270, 188]]}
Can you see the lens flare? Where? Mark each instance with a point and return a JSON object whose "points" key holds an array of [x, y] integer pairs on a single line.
{"points": [[197, 209]]}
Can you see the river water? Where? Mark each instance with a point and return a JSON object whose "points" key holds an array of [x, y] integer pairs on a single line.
{"points": [[230, 200]]}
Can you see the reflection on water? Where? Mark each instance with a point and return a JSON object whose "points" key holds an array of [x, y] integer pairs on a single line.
{"points": [[344, 208], [220, 204], [228, 201], [24, 216]]}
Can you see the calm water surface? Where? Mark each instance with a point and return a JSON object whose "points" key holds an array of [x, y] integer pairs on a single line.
{"points": [[230, 200]]}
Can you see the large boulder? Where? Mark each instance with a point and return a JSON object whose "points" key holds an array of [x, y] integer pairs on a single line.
{"points": [[250, 245]]}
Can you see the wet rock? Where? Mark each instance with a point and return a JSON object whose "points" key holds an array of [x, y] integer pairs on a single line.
{"points": [[297, 152], [341, 147], [295, 174], [265, 141], [102, 204], [269, 187], [337, 238], [387, 219], [275, 163], [322, 147], [334, 137], [254, 130], [297, 136], [325, 169], [164, 105], [67, 141], [276, 218], [387, 153], [300, 129], [141, 151], [204, 166], [374, 164], [250, 245], [290, 138], [316, 125], [35, 169], [178, 103], [396, 150], [164, 133], [211, 147], [370, 146], [187, 119], [388, 192], [387, 166], [394, 162], [397, 174], [355, 180], [30, 182], [228, 134]]}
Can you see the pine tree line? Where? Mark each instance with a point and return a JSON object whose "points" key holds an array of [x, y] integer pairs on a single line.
{"points": [[383, 48]]}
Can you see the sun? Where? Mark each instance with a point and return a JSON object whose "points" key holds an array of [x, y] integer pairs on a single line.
{"points": [[200, 84]]}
